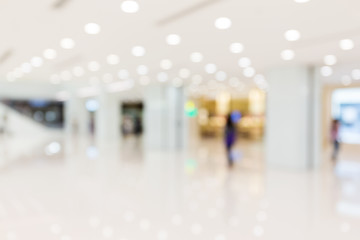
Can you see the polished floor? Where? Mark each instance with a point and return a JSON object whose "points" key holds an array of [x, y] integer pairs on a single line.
{"points": [[75, 189]]}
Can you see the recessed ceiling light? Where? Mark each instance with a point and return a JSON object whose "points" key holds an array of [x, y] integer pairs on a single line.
{"points": [[355, 74], [37, 61], [78, 71], [112, 59], [326, 71], [184, 73], [330, 60], [346, 44], [287, 54], [249, 72], [67, 43], [210, 68], [129, 6], [244, 62], [93, 66], [173, 39], [346, 80], [142, 70], [138, 51], [162, 77], [50, 54], [292, 35], [301, 1], [92, 28], [166, 64], [26, 68], [123, 74], [221, 76], [196, 57], [236, 48], [223, 23]]}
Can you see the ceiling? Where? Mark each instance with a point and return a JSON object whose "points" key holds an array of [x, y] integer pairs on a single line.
{"points": [[30, 27]]}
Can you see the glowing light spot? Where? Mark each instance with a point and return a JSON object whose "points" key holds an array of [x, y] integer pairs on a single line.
{"points": [[223, 23], [173, 39], [53, 148], [190, 109], [130, 6], [92, 28], [196, 57]]}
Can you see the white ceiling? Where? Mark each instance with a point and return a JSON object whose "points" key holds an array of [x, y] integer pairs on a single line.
{"points": [[30, 27]]}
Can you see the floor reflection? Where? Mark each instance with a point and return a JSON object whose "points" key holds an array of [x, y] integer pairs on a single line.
{"points": [[78, 188]]}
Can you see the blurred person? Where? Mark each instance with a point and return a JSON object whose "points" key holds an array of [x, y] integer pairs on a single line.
{"points": [[335, 138], [230, 138], [5, 122], [127, 126], [137, 127]]}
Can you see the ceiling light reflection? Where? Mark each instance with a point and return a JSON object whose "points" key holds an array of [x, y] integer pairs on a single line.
{"points": [[236, 48], [138, 51], [223, 23], [173, 39], [196, 57], [92, 28], [112, 59], [346, 44], [330, 60], [210, 68], [130, 6], [292, 35], [67, 43]]}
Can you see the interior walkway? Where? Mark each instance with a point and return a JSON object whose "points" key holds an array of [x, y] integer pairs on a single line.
{"points": [[73, 189]]}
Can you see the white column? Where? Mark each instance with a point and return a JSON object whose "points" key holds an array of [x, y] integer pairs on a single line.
{"points": [[77, 118], [107, 120], [164, 119], [177, 124], [293, 118], [316, 110]]}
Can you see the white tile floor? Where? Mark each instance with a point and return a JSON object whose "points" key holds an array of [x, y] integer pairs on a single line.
{"points": [[86, 193]]}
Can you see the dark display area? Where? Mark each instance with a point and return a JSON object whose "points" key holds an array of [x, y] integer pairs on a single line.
{"points": [[132, 118], [48, 113]]}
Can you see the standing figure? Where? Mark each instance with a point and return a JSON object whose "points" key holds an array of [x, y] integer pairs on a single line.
{"points": [[335, 139], [230, 138]]}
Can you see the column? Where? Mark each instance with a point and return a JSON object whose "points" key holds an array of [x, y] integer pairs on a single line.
{"points": [[164, 119], [77, 118], [293, 118], [177, 124], [107, 120]]}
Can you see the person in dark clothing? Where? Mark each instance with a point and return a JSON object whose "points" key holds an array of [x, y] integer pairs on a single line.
{"points": [[137, 127], [230, 138], [335, 139]]}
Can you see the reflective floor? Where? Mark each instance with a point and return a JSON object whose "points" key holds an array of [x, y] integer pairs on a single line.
{"points": [[74, 189]]}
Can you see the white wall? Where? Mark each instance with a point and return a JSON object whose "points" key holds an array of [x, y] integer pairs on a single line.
{"points": [[292, 129], [165, 125]]}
